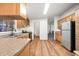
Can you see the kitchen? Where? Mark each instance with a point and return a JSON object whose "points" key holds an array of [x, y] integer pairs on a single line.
{"points": [[21, 29]]}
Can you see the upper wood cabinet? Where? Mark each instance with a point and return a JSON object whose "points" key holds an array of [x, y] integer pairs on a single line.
{"points": [[9, 9], [22, 23], [13, 10], [65, 19]]}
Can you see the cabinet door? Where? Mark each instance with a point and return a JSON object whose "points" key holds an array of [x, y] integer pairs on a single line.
{"points": [[18, 23], [77, 35], [77, 43], [13, 10], [9, 8], [21, 23], [77, 29]]}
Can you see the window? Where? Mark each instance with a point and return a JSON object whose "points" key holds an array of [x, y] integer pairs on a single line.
{"points": [[6, 25]]}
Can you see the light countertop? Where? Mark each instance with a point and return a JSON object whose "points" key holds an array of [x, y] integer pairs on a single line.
{"points": [[76, 53], [9, 46]]}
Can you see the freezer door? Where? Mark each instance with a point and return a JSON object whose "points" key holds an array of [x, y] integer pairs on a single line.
{"points": [[66, 40], [66, 25]]}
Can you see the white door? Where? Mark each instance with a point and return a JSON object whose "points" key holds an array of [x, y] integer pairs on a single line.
{"points": [[36, 28]]}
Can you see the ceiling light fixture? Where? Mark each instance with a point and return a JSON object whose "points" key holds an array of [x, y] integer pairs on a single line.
{"points": [[46, 8]]}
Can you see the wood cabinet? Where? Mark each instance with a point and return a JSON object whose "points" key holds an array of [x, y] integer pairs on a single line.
{"points": [[18, 23], [22, 23], [65, 19], [77, 43], [9, 9], [60, 23], [58, 36], [13, 11], [77, 28], [73, 17]]}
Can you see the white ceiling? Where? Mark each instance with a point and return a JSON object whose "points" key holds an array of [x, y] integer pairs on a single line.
{"points": [[35, 10]]}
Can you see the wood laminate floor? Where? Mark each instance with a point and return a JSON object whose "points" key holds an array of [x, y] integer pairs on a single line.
{"points": [[45, 48]]}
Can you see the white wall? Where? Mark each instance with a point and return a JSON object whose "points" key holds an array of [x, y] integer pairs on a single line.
{"points": [[43, 28], [50, 24], [23, 10], [52, 27], [48, 28], [31, 27]]}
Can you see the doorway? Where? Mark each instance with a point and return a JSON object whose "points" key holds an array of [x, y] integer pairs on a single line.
{"points": [[36, 29], [51, 32]]}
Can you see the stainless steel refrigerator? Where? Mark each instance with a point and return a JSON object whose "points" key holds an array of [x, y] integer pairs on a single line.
{"points": [[68, 35]]}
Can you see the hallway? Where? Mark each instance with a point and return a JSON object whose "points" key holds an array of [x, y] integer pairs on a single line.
{"points": [[44, 48]]}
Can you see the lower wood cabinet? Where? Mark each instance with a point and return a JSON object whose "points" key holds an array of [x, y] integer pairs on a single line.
{"points": [[58, 36], [77, 35], [77, 29], [77, 43]]}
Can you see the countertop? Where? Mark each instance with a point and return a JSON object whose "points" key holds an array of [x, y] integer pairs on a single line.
{"points": [[76, 53], [11, 46]]}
